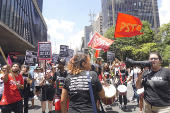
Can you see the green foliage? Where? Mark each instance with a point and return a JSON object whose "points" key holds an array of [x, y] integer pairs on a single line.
{"points": [[164, 34], [139, 47], [166, 55], [136, 47]]}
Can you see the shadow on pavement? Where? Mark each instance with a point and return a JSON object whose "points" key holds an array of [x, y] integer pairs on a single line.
{"points": [[110, 110], [36, 107], [53, 111], [131, 108]]}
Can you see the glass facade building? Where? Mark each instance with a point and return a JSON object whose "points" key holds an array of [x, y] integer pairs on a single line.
{"points": [[22, 17], [40, 4], [143, 9]]}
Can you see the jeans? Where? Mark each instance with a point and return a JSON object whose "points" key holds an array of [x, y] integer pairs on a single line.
{"points": [[135, 95]]}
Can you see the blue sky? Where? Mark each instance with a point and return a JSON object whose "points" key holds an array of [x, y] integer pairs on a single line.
{"points": [[66, 19]]}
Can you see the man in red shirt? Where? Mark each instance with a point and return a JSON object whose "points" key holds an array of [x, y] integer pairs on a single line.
{"points": [[11, 98]]}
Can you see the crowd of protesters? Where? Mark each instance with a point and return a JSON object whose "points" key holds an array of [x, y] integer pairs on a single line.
{"points": [[67, 88]]}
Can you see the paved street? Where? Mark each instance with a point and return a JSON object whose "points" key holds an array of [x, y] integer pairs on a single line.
{"points": [[132, 107]]}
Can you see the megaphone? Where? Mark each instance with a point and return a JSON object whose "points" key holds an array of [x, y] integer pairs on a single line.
{"points": [[142, 64]]}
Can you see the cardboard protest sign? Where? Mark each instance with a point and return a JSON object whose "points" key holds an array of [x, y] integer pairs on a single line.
{"points": [[63, 51], [31, 58], [44, 51], [55, 58], [110, 56], [70, 53]]}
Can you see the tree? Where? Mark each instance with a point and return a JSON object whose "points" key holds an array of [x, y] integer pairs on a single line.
{"points": [[164, 34], [136, 47], [163, 37]]}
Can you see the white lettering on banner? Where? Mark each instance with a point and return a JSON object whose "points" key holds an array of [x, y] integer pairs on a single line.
{"points": [[101, 43], [78, 83]]}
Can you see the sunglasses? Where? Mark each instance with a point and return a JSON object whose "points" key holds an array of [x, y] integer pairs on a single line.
{"points": [[153, 58]]}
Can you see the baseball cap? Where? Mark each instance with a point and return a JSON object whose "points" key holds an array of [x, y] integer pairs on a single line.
{"points": [[55, 66], [62, 60], [26, 66], [38, 68], [99, 58]]}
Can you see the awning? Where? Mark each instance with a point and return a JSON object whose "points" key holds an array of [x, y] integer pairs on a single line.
{"points": [[10, 41]]}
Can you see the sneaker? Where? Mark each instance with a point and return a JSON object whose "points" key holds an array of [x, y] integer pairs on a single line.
{"points": [[35, 97], [125, 107], [131, 99], [120, 106], [116, 100]]}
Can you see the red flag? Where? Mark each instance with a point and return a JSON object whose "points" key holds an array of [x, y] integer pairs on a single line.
{"points": [[97, 53], [127, 26], [100, 42], [9, 60]]}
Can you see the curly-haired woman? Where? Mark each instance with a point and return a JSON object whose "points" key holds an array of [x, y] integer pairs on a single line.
{"points": [[77, 88]]}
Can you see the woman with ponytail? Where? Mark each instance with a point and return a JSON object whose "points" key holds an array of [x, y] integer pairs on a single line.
{"points": [[76, 86]]}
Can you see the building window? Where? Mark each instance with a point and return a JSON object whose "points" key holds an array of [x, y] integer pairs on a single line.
{"points": [[3, 14], [8, 12], [12, 15]]}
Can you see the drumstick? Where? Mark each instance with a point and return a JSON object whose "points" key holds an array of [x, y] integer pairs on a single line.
{"points": [[7, 63]]}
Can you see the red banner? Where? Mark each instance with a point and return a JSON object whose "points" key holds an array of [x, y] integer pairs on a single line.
{"points": [[100, 42], [127, 26], [97, 53]]}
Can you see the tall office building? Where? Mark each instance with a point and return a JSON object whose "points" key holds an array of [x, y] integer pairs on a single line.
{"points": [[87, 31], [97, 25], [40, 4], [22, 26], [82, 46], [143, 9]]}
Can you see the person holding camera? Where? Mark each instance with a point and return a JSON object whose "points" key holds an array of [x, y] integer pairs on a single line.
{"points": [[38, 76], [156, 83], [47, 91], [27, 83]]}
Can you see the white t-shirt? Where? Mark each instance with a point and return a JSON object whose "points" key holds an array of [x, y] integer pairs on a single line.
{"points": [[39, 78], [1, 85], [135, 75], [116, 69]]}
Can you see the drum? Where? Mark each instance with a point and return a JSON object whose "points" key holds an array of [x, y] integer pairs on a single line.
{"points": [[110, 92], [140, 91], [122, 89]]}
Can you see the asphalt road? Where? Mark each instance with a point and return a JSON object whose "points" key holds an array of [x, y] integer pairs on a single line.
{"points": [[132, 106]]}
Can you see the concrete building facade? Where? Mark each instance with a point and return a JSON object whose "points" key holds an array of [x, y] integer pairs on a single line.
{"points": [[97, 25], [87, 31], [143, 9]]}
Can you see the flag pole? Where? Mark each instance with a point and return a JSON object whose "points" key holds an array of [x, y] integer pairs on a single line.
{"points": [[7, 63]]}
